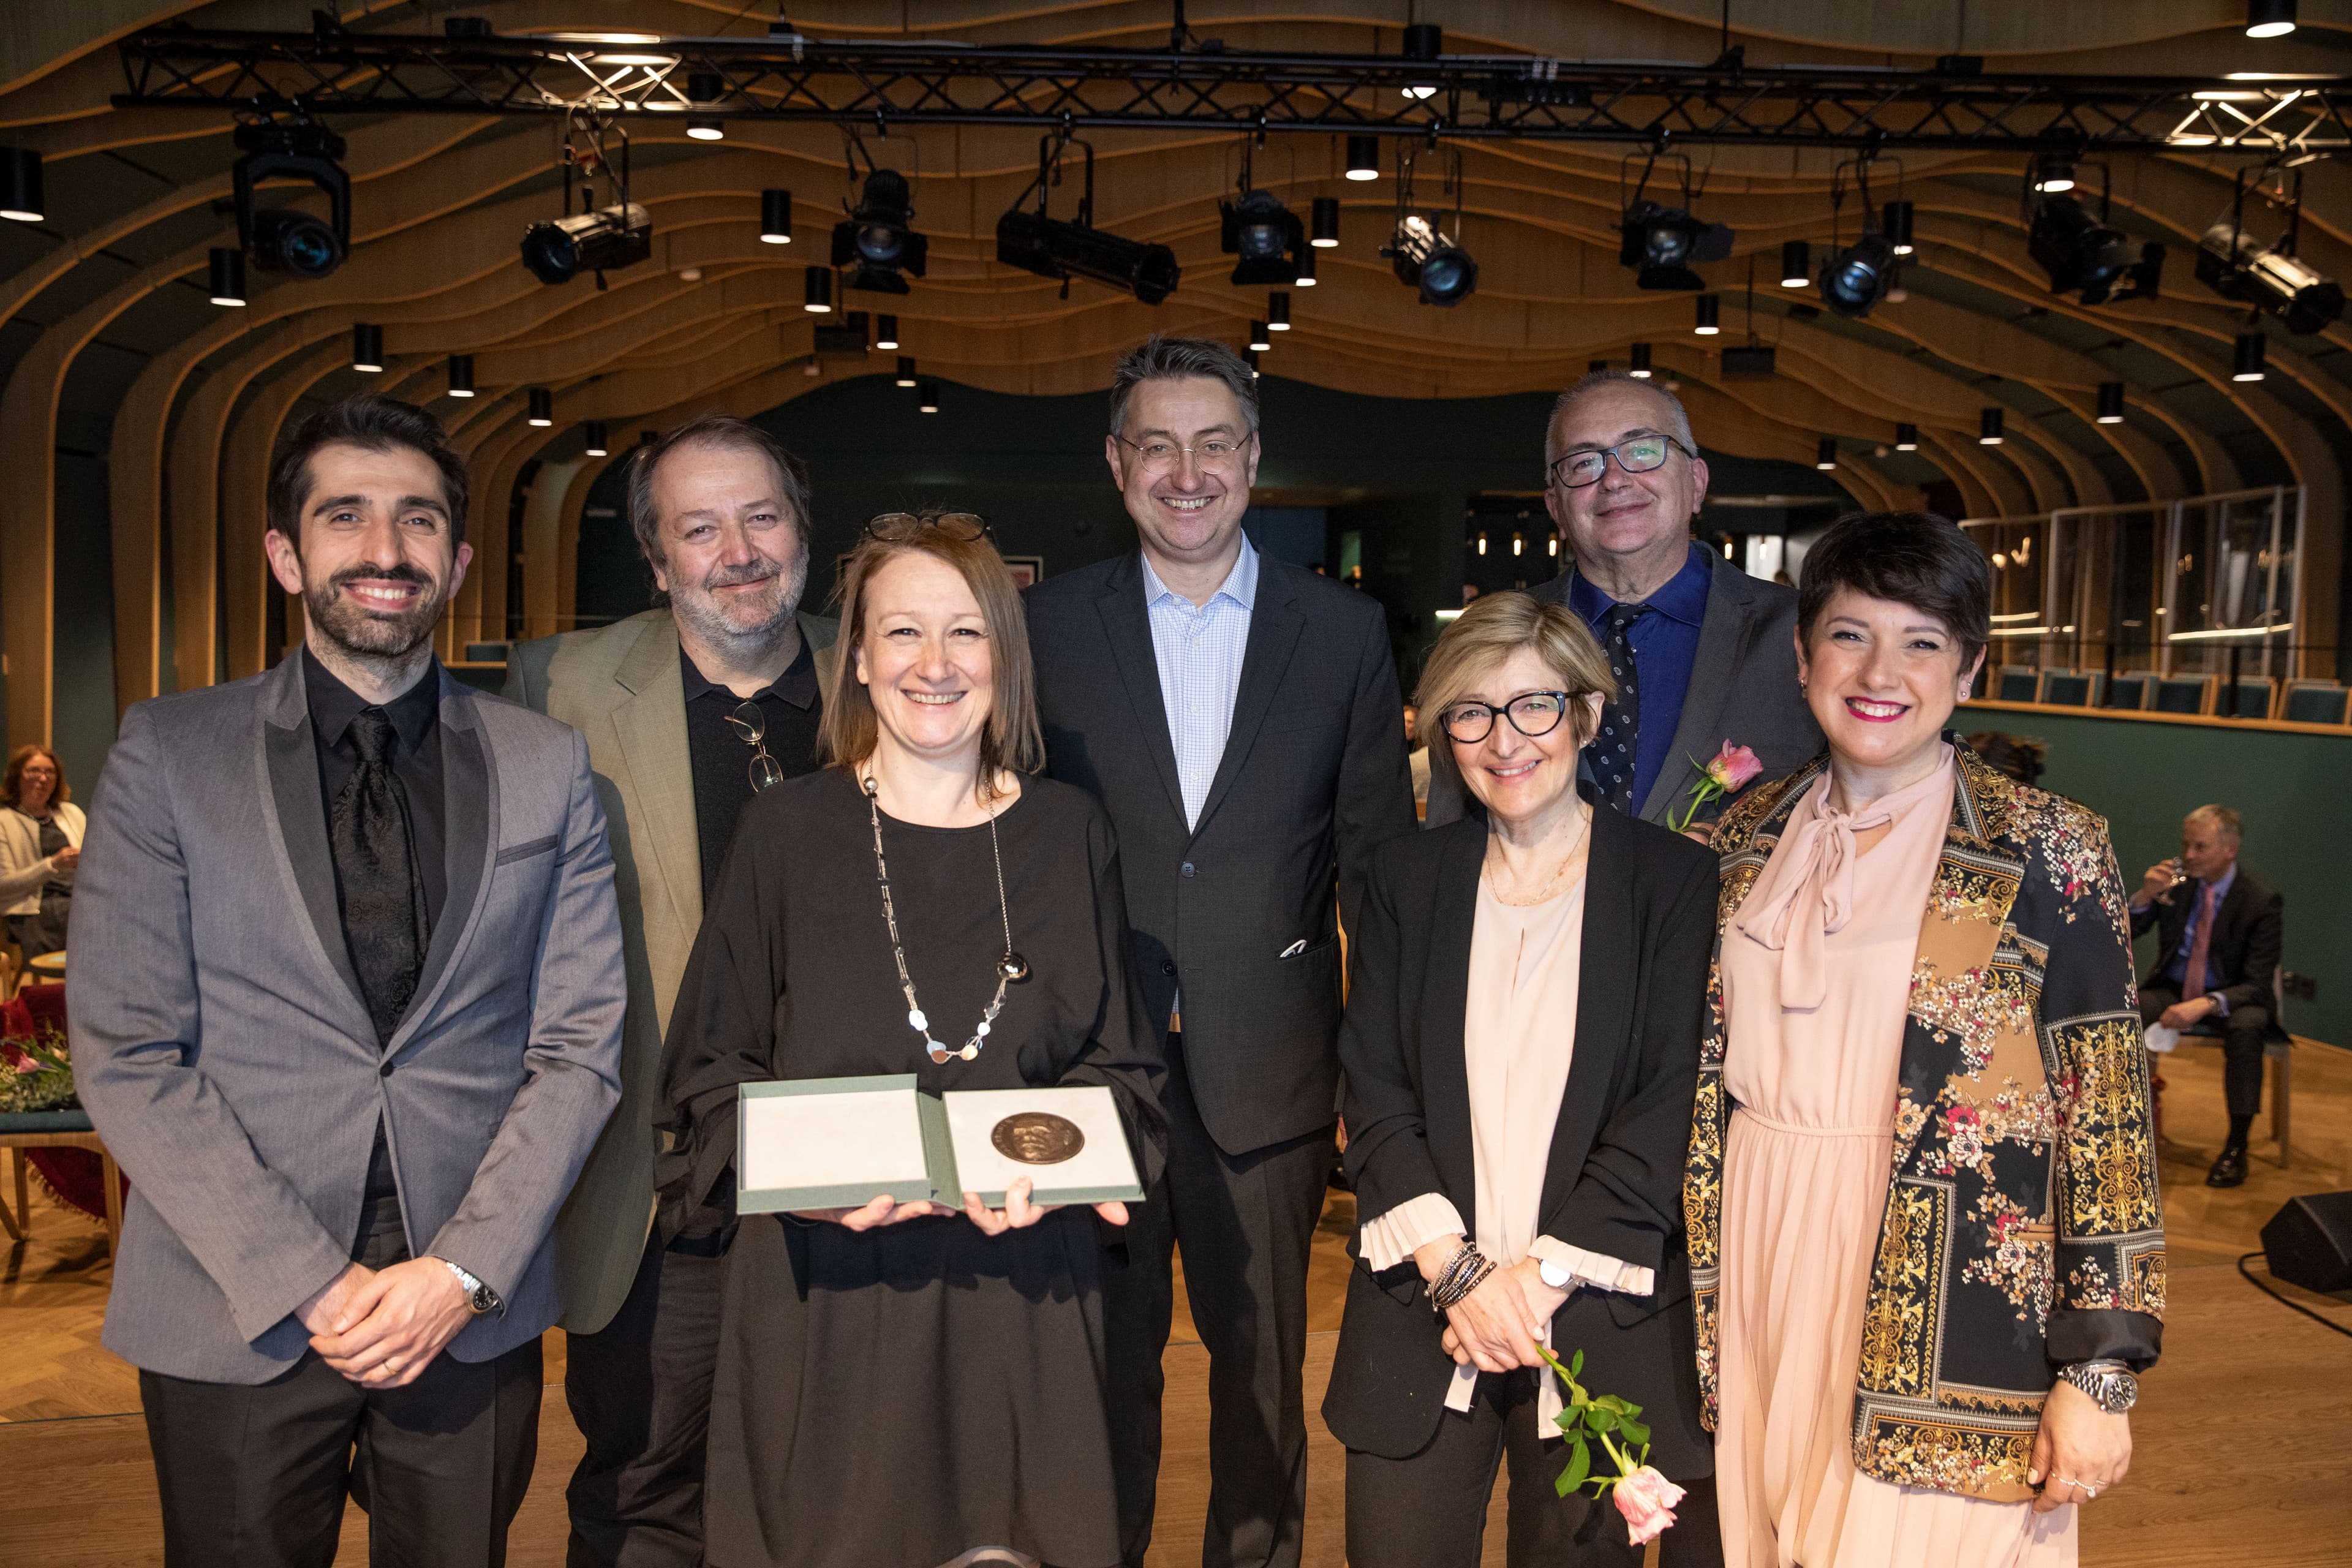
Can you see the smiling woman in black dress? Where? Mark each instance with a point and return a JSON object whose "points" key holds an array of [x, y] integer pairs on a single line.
{"points": [[898, 1385]]}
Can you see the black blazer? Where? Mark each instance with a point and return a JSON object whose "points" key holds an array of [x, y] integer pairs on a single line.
{"points": [[2249, 932], [1743, 689], [1312, 778], [1614, 1184]]}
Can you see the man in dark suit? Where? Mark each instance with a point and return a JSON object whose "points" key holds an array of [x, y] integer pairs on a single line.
{"points": [[1237, 716], [2220, 930], [1703, 653]]}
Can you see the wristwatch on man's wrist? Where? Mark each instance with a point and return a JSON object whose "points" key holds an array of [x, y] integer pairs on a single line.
{"points": [[2110, 1384], [479, 1297]]}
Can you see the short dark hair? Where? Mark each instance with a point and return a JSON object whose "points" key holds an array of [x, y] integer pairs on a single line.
{"points": [[1170, 359], [1914, 558], [726, 432], [378, 425]]}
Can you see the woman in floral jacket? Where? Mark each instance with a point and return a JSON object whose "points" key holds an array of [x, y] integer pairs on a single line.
{"points": [[1926, 1246]]}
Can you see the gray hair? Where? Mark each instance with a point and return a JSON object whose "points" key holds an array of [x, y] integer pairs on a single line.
{"points": [[2226, 819], [1678, 422], [1171, 359], [727, 434]]}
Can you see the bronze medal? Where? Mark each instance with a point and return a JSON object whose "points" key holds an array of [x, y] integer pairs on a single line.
{"points": [[1037, 1138]]}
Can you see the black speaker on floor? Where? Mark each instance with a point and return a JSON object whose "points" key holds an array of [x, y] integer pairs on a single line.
{"points": [[2309, 1242]]}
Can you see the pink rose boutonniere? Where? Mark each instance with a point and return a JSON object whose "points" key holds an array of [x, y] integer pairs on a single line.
{"points": [[1728, 771], [1645, 1497]]}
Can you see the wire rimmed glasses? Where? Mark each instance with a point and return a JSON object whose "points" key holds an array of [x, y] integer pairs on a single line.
{"points": [[1159, 454], [1533, 714], [750, 727], [1638, 455]]}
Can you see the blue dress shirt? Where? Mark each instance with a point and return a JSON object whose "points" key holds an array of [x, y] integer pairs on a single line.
{"points": [[2209, 984], [1665, 648], [1199, 649]]}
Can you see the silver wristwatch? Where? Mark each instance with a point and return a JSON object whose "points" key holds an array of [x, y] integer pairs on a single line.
{"points": [[1553, 1274], [2110, 1384], [479, 1297]]}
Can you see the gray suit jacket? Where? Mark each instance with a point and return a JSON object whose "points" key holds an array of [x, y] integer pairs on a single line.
{"points": [[619, 686], [1743, 689], [221, 1045]]}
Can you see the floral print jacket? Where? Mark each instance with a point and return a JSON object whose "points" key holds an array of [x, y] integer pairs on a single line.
{"points": [[2023, 1230]]}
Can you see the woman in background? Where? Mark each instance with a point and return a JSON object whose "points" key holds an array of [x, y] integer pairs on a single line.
{"points": [[41, 845]]}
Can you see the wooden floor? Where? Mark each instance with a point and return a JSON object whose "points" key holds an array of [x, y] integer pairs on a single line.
{"points": [[2243, 1435]]}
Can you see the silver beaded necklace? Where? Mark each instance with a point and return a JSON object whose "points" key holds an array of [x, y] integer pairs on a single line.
{"points": [[1009, 968]]}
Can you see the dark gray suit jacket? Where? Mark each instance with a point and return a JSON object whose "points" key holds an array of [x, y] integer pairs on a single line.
{"points": [[1313, 777], [1743, 689], [222, 1049]]}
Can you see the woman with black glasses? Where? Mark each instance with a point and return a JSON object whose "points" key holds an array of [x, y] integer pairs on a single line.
{"points": [[898, 1385], [1521, 1050]]}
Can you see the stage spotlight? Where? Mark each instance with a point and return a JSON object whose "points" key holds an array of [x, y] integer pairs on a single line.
{"points": [[20, 185], [1906, 437], [1856, 278], [1895, 219], [878, 238], [1324, 216], [1988, 427], [776, 218], [1363, 157], [2236, 266], [2248, 363], [543, 407], [886, 331], [1424, 259], [1664, 242], [598, 442], [905, 371], [1796, 264], [1054, 248], [2111, 403], [2085, 256], [461, 376], [283, 239], [1260, 340], [1266, 236], [816, 290], [1707, 320], [1307, 269], [367, 348], [1825, 455], [600, 241], [1640, 368], [1278, 312], [2269, 18], [927, 401], [2054, 173], [225, 275]]}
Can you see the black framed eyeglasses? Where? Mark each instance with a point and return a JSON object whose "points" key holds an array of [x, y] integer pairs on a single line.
{"points": [[898, 527], [750, 727], [1638, 456], [1533, 714]]}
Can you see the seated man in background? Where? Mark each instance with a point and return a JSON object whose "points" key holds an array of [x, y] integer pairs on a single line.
{"points": [[2220, 930]]}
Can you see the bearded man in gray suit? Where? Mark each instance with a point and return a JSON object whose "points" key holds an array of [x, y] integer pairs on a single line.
{"points": [[346, 1003]]}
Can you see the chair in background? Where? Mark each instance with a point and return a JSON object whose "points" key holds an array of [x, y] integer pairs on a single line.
{"points": [[2278, 1049], [2315, 702], [2183, 694], [2071, 688], [2253, 694], [2128, 692], [2016, 683], [36, 1010]]}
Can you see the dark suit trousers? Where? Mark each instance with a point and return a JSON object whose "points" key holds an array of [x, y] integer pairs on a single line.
{"points": [[2242, 1047], [1247, 1224], [639, 1390]]}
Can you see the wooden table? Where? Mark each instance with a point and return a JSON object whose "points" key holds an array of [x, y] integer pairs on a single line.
{"points": [[49, 965]]}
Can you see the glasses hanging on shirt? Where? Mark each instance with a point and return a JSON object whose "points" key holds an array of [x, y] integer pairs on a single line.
{"points": [[751, 727]]}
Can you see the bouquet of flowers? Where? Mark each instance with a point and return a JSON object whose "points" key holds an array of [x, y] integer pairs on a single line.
{"points": [[1645, 1497], [1728, 771], [34, 1075]]}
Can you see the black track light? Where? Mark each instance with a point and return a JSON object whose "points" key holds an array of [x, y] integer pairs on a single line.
{"points": [[2269, 18], [600, 241], [1895, 220], [927, 401], [1306, 268], [599, 443], [1277, 310], [2111, 403], [542, 408], [886, 331], [1267, 238], [1640, 367], [2236, 266], [1323, 220], [1825, 455], [1663, 243], [2247, 362], [1707, 319], [816, 290], [1363, 157], [706, 128], [1051, 247], [776, 218], [1260, 340], [461, 376], [1988, 427], [367, 347], [1906, 437], [1424, 259], [225, 275], [905, 371], [1858, 277], [1796, 264], [20, 185], [879, 237]]}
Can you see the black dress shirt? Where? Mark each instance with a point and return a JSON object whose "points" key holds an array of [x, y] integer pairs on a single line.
{"points": [[723, 762], [415, 716]]}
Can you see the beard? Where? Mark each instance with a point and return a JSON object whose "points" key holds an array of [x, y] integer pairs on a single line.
{"points": [[749, 625], [375, 637]]}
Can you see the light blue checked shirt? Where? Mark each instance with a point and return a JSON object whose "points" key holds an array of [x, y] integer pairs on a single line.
{"points": [[1199, 650]]}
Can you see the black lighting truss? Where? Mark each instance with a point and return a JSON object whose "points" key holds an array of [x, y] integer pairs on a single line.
{"points": [[794, 77]]}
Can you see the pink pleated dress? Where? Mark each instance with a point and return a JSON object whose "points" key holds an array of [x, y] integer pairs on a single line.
{"points": [[1816, 980]]}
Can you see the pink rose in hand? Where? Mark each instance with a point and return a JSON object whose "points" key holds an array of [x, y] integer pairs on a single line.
{"points": [[1733, 767], [1647, 1501]]}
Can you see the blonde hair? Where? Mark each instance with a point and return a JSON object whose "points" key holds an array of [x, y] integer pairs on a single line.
{"points": [[848, 732], [1490, 631]]}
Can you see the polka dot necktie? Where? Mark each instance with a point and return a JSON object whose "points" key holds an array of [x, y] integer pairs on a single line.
{"points": [[1613, 749]]}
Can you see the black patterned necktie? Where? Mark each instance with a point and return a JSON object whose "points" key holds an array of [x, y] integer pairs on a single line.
{"points": [[382, 888], [1614, 746]]}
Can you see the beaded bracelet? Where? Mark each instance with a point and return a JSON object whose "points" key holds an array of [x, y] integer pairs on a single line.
{"points": [[1463, 1256], [1464, 1272]]}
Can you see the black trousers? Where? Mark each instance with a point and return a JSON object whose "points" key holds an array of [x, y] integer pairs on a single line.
{"points": [[1247, 1224], [2242, 1047], [639, 1390], [254, 1476]]}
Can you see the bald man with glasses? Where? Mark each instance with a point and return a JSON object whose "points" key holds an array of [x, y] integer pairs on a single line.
{"points": [[1702, 652]]}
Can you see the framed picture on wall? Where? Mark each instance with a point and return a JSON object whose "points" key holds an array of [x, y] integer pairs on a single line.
{"points": [[1027, 570]]}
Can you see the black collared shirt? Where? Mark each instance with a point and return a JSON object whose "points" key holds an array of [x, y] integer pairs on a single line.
{"points": [[415, 716], [723, 762]]}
